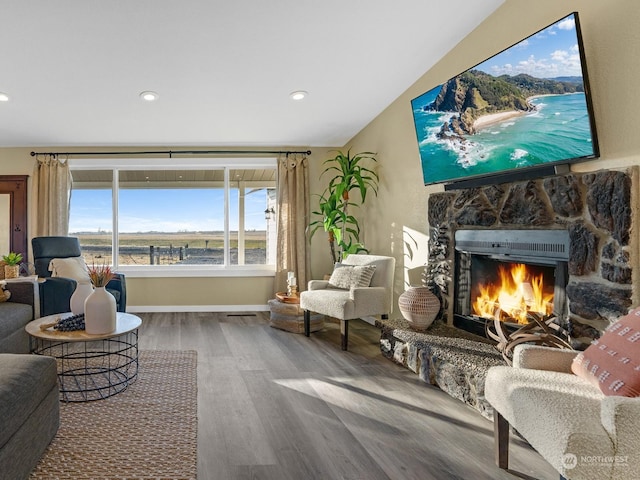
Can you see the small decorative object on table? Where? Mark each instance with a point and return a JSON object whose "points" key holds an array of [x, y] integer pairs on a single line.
{"points": [[292, 286], [12, 265], [78, 297], [100, 306], [64, 324], [70, 324]]}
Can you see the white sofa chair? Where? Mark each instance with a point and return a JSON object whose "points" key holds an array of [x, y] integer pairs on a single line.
{"points": [[356, 302], [582, 433]]}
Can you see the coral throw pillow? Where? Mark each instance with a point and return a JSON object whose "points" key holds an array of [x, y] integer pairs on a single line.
{"points": [[613, 361], [347, 276]]}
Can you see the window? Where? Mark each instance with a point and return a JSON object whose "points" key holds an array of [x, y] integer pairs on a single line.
{"points": [[203, 215]]}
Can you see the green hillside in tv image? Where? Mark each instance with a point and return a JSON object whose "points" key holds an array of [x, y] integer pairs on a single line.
{"points": [[523, 107]]}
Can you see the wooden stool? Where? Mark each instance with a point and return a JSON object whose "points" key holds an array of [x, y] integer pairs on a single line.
{"points": [[290, 317]]}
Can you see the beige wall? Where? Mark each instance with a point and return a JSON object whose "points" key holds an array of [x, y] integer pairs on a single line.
{"points": [[397, 224], [231, 293]]}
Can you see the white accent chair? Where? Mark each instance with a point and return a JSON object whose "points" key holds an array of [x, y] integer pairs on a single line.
{"points": [[358, 302], [582, 433]]}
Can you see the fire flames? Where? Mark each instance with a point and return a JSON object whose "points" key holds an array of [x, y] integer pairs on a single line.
{"points": [[517, 293]]}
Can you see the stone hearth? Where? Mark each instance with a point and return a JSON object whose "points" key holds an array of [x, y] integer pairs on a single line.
{"points": [[595, 208], [451, 359]]}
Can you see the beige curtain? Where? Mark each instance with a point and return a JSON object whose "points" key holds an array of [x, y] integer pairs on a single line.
{"points": [[52, 187], [293, 217]]}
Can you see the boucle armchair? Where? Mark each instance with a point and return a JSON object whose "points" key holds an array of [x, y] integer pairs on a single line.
{"points": [[582, 433], [352, 298]]}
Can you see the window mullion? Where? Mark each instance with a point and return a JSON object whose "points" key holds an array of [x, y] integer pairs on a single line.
{"points": [[226, 216], [115, 237], [241, 223]]}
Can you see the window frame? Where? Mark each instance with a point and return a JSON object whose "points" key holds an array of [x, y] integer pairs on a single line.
{"points": [[158, 271]]}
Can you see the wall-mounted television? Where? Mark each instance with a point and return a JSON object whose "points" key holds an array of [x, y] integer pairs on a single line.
{"points": [[518, 114]]}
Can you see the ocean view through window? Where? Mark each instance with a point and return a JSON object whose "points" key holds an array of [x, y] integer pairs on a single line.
{"points": [[202, 215]]}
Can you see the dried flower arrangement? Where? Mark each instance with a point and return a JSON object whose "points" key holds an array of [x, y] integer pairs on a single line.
{"points": [[100, 275]]}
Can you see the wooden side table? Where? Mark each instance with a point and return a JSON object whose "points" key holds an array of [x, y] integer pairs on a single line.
{"points": [[290, 317]]}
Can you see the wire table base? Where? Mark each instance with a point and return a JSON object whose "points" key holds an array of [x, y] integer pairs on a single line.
{"points": [[91, 368]]}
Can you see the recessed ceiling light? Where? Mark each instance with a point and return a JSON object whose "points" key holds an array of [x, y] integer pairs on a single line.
{"points": [[149, 96], [298, 95], [4, 97]]}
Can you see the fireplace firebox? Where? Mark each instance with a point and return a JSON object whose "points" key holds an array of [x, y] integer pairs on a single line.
{"points": [[509, 274]]}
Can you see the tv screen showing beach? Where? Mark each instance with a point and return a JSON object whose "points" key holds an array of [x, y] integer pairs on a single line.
{"points": [[524, 107]]}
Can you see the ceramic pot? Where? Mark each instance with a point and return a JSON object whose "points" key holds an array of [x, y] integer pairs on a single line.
{"points": [[100, 312], [11, 271], [79, 295], [419, 306]]}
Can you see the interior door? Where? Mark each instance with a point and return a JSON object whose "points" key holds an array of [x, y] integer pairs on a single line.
{"points": [[13, 214]]}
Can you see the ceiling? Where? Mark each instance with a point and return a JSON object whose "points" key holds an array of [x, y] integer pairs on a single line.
{"points": [[223, 70]]}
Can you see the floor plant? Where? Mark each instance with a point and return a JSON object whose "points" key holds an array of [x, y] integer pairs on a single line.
{"points": [[349, 173]]}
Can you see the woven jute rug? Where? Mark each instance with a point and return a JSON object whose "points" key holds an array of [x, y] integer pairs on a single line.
{"points": [[148, 431]]}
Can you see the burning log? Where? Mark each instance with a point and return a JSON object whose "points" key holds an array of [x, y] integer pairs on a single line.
{"points": [[517, 295]]}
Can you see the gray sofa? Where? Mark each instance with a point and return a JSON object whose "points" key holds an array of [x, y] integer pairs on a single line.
{"points": [[29, 398], [14, 315]]}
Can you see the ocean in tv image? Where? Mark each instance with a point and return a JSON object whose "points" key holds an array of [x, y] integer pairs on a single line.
{"points": [[506, 112]]}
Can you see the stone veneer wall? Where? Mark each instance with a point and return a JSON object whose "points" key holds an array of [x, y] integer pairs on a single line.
{"points": [[596, 209]]}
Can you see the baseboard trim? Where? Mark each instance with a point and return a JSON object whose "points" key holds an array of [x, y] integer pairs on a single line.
{"points": [[369, 320], [196, 308]]}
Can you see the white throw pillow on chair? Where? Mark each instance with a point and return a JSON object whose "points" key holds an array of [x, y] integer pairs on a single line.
{"points": [[351, 276], [72, 267]]}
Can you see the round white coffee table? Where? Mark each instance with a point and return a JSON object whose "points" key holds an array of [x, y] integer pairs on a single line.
{"points": [[90, 367]]}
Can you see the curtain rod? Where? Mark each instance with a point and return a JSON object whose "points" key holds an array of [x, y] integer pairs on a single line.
{"points": [[180, 152]]}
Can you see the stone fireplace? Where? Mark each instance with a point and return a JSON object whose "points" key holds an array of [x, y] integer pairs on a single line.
{"points": [[593, 210], [578, 235]]}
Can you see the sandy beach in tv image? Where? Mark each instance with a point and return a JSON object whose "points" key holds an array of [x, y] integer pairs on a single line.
{"points": [[523, 107]]}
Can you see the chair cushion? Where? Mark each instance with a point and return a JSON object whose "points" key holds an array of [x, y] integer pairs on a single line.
{"points": [[334, 302], [349, 276], [557, 413], [612, 362], [72, 267]]}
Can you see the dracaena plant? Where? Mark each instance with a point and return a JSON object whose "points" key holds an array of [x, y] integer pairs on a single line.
{"points": [[335, 203]]}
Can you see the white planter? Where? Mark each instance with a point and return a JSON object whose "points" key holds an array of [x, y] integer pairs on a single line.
{"points": [[80, 294], [100, 312]]}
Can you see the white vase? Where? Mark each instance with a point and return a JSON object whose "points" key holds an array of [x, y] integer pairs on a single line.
{"points": [[100, 312], [80, 294], [419, 306]]}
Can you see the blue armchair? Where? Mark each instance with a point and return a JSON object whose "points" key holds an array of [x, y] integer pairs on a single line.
{"points": [[56, 292]]}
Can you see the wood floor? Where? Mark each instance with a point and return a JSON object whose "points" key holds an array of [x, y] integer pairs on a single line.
{"points": [[278, 405]]}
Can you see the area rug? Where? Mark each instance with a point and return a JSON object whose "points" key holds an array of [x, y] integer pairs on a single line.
{"points": [[148, 431]]}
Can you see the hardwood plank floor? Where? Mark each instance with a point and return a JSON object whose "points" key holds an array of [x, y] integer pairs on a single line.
{"points": [[278, 405]]}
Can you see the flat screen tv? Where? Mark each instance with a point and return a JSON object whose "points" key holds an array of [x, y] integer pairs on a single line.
{"points": [[523, 111]]}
